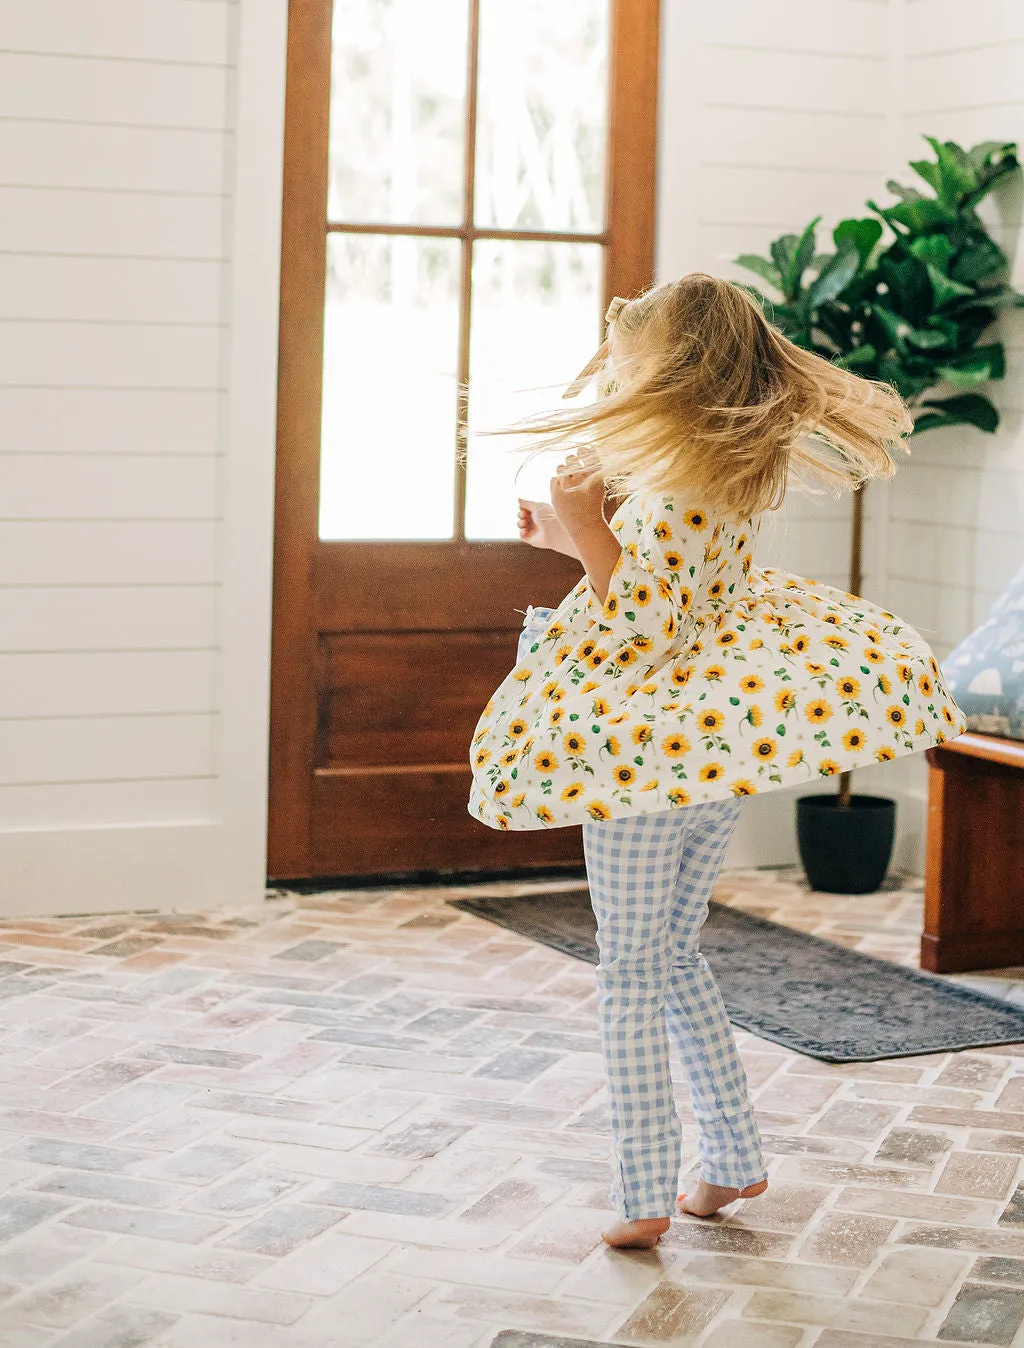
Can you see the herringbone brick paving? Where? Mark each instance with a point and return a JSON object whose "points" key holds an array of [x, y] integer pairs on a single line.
{"points": [[368, 1121]]}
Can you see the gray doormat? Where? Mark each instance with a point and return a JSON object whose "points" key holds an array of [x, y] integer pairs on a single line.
{"points": [[810, 995]]}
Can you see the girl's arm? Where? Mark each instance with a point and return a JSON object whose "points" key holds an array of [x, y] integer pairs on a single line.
{"points": [[580, 511]]}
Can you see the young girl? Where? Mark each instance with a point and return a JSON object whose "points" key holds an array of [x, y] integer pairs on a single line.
{"points": [[678, 677]]}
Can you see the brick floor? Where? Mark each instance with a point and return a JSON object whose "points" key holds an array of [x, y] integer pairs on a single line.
{"points": [[367, 1121]]}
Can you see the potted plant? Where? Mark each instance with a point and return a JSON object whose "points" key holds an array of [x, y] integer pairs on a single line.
{"points": [[907, 297]]}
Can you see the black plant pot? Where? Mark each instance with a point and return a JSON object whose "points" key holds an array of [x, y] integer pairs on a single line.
{"points": [[845, 851]]}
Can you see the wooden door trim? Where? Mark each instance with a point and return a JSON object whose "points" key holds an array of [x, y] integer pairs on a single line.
{"points": [[631, 179], [629, 238], [294, 657]]}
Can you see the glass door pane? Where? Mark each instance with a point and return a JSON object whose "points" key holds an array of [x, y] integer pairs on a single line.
{"points": [[542, 115], [398, 96], [387, 456], [536, 316]]}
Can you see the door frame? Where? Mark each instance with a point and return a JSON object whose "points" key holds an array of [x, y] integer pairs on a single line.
{"points": [[628, 239]]}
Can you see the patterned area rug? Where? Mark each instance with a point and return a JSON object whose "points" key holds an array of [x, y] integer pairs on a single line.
{"points": [[810, 995]]}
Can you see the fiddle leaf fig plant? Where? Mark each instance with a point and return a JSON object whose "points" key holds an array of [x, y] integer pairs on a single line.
{"points": [[909, 291], [907, 297]]}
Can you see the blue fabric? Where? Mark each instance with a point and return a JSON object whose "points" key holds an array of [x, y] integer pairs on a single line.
{"points": [[534, 625], [986, 671], [650, 880]]}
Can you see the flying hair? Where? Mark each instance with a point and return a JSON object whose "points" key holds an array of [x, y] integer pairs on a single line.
{"points": [[700, 396]]}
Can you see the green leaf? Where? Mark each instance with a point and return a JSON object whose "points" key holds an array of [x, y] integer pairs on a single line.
{"points": [[917, 216], [894, 327], [968, 409], [952, 329], [999, 297], [804, 254], [928, 170], [792, 256], [983, 156], [975, 367], [945, 289], [834, 322], [783, 250], [835, 276], [927, 339], [761, 267], [863, 234], [858, 358], [912, 295], [979, 257], [907, 383], [934, 248], [904, 193], [990, 168], [958, 177]]}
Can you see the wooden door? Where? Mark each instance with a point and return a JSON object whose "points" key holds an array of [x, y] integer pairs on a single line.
{"points": [[458, 209]]}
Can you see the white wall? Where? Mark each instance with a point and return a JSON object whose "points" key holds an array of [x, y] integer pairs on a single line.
{"points": [[772, 114], [957, 526], [138, 257]]}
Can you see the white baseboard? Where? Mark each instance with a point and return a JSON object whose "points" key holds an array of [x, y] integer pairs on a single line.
{"points": [[156, 868]]}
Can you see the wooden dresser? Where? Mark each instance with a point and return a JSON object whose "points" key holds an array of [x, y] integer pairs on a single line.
{"points": [[974, 875]]}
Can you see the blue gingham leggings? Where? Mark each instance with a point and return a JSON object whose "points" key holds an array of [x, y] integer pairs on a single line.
{"points": [[650, 879]]}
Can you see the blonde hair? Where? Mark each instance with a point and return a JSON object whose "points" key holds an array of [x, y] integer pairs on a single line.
{"points": [[705, 398]]}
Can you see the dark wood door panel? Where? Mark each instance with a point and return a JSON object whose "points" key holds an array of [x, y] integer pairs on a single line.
{"points": [[399, 821], [411, 695], [388, 587]]}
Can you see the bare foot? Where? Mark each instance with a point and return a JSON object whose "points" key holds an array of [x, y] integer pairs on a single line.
{"points": [[706, 1199], [639, 1235]]}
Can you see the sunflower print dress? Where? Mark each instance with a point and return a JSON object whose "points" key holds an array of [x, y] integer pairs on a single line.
{"points": [[700, 677]]}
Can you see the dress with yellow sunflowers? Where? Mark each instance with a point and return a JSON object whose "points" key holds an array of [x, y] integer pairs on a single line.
{"points": [[700, 677]]}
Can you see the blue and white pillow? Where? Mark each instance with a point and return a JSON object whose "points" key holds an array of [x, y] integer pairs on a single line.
{"points": [[985, 673]]}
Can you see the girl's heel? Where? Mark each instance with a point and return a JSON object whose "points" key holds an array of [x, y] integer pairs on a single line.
{"points": [[643, 1234], [751, 1191]]}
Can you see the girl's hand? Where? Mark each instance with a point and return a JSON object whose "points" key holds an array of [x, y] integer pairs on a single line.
{"points": [[579, 509], [539, 526], [534, 521]]}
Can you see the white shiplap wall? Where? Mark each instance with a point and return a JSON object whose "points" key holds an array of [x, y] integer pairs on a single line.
{"points": [[957, 523], [772, 114], [125, 203]]}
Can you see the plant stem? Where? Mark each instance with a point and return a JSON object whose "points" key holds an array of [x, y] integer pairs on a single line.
{"points": [[856, 581], [856, 540]]}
